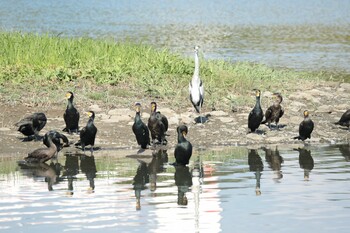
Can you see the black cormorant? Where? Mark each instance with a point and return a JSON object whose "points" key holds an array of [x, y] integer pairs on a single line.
{"points": [[31, 125], [71, 115], [196, 87], [157, 124], [88, 133], [183, 149], [305, 127], [274, 112], [140, 129], [56, 139], [344, 119], [256, 115], [41, 155]]}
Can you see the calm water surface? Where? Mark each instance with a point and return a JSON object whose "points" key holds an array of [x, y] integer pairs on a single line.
{"points": [[226, 190], [313, 34]]}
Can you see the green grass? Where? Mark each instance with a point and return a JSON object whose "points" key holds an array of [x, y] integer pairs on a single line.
{"points": [[42, 64]]}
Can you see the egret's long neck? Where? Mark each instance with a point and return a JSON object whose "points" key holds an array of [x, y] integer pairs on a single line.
{"points": [[196, 65]]}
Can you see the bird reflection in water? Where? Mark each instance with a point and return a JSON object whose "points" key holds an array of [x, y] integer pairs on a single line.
{"points": [[255, 165], [147, 173], [275, 160], [183, 181], [156, 166], [140, 180], [88, 166], [50, 172], [345, 151], [71, 169], [306, 162], [197, 182]]}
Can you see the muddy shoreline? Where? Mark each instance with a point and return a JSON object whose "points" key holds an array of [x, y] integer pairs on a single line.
{"points": [[326, 101]]}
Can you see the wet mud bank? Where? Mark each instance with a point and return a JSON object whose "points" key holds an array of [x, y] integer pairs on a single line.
{"points": [[326, 102]]}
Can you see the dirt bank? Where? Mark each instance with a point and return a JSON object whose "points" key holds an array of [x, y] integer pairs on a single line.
{"points": [[326, 102]]}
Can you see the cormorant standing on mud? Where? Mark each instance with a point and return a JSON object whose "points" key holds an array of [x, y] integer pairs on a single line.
{"points": [[183, 149], [305, 128], [157, 124], [274, 112], [88, 133], [71, 115], [256, 115], [140, 129]]}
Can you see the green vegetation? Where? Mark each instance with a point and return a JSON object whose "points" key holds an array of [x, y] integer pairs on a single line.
{"points": [[45, 67]]}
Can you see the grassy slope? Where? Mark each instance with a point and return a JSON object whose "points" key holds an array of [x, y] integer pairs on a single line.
{"points": [[43, 65]]}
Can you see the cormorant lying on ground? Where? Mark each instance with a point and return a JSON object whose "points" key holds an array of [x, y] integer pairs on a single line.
{"points": [[88, 133], [157, 124], [256, 115], [344, 119], [140, 129], [31, 125], [274, 112], [305, 128], [56, 139], [183, 149], [41, 155], [71, 115], [196, 87]]}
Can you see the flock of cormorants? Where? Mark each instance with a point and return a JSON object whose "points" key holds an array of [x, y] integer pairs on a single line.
{"points": [[157, 124]]}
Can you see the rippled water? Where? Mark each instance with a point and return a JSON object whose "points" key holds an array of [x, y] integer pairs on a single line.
{"points": [[313, 34], [223, 190]]}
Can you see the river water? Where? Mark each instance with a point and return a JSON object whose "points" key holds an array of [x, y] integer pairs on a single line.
{"points": [[222, 190], [305, 35]]}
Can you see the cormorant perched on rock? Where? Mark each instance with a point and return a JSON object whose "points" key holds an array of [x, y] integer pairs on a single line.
{"points": [[88, 133], [196, 87], [274, 112], [140, 129], [71, 115], [256, 115], [41, 155], [344, 119], [157, 124], [305, 127], [31, 125], [56, 139], [183, 149]]}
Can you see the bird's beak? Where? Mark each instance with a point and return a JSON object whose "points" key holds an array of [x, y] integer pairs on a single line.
{"points": [[68, 95]]}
